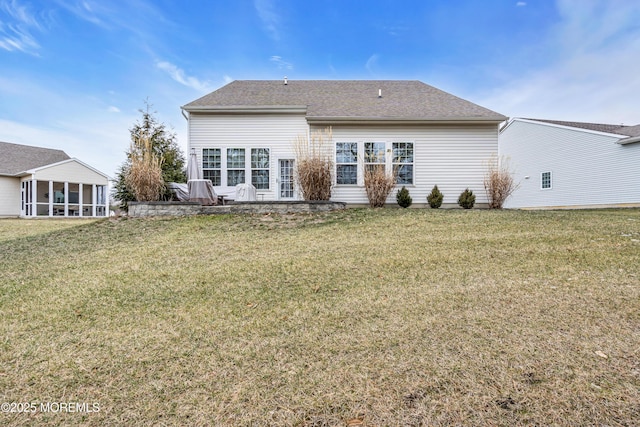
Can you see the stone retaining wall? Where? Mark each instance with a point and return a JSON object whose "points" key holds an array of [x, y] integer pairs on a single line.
{"points": [[149, 209]]}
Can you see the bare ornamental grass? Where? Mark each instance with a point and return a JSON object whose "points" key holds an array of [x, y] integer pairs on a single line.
{"points": [[144, 176], [314, 165], [378, 184], [386, 317], [499, 184]]}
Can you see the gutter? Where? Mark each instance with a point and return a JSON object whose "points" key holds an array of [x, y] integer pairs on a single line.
{"points": [[408, 120], [629, 140], [242, 109]]}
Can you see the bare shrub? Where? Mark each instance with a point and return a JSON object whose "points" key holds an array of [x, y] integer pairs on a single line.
{"points": [[144, 176], [498, 182], [378, 184], [314, 165]]}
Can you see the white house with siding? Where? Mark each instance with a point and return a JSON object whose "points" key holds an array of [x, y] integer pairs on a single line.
{"points": [[245, 132], [562, 164], [42, 182]]}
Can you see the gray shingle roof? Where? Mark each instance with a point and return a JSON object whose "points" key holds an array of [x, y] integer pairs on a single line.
{"points": [[346, 100], [599, 127], [16, 158]]}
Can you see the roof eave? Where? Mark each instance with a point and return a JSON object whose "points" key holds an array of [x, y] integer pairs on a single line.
{"points": [[406, 120], [245, 109]]}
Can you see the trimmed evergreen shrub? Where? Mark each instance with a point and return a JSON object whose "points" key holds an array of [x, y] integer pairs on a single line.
{"points": [[467, 199], [435, 198], [403, 197]]}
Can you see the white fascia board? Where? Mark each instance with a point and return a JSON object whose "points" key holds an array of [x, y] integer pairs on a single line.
{"points": [[554, 125], [73, 159], [407, 120], [244, 109]]}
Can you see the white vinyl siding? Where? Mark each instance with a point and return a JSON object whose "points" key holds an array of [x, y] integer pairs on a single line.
{"points": [[588, 168], [452, 156], [9, 196], [275, 132], [70, 171]]}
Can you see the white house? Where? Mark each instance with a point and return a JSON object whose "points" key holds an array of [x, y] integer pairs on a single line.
{"points": [[572, 165], [41, 182], [245, 132]]}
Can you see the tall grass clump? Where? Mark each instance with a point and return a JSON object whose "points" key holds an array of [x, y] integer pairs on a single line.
{"points": [[378, 184], [314, 165], [498, 182], [144, 176]]}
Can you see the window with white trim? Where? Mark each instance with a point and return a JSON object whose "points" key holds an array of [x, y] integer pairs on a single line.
{"points": [[545, 180], [346, 163], [374, 155], [212, 165], [236, 172], [403, 162], [260, 168]]}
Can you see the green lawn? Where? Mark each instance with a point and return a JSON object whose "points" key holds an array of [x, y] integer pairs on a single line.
{"points": [[364, 317]]}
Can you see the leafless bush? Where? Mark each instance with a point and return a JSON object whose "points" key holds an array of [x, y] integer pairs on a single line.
{"points": [[144, 177], [498, 182], [378, 184], [314, 165]]}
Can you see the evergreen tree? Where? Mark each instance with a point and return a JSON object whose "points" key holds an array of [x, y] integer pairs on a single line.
{"points": [[403, 198], [165, 146], [435, 198]]}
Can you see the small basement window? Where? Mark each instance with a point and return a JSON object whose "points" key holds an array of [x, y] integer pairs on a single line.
{"points": [[545, 180]]}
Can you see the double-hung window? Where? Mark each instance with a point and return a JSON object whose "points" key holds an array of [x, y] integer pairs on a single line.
{"points": [[235, 166], [346, 163], [403, 162], [545, 180], [211, 165], [260, 168], [374, 156]]}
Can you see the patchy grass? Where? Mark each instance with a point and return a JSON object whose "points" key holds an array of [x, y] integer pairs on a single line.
{"points": [[363, 317]]}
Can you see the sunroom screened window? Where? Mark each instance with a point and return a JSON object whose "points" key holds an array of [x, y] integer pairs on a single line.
{"points": [[403, 162], [346, 162], [211, 165], [260, 168], [235, 166]]}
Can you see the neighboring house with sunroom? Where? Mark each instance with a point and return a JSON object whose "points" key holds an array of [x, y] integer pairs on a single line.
{"points": [[560, 164], [244, 132], [43, 182]]}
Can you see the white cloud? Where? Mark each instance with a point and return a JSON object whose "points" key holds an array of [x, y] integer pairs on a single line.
{"points": [[113, 109], [16, 25], [87, 10], [227, 79], [179, 75], [521, 4], [594, 77], [282, 64], [270, 19], [371, 62]]}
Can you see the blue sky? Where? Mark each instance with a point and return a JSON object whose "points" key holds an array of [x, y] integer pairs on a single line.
{"points": [[73, 73]]}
